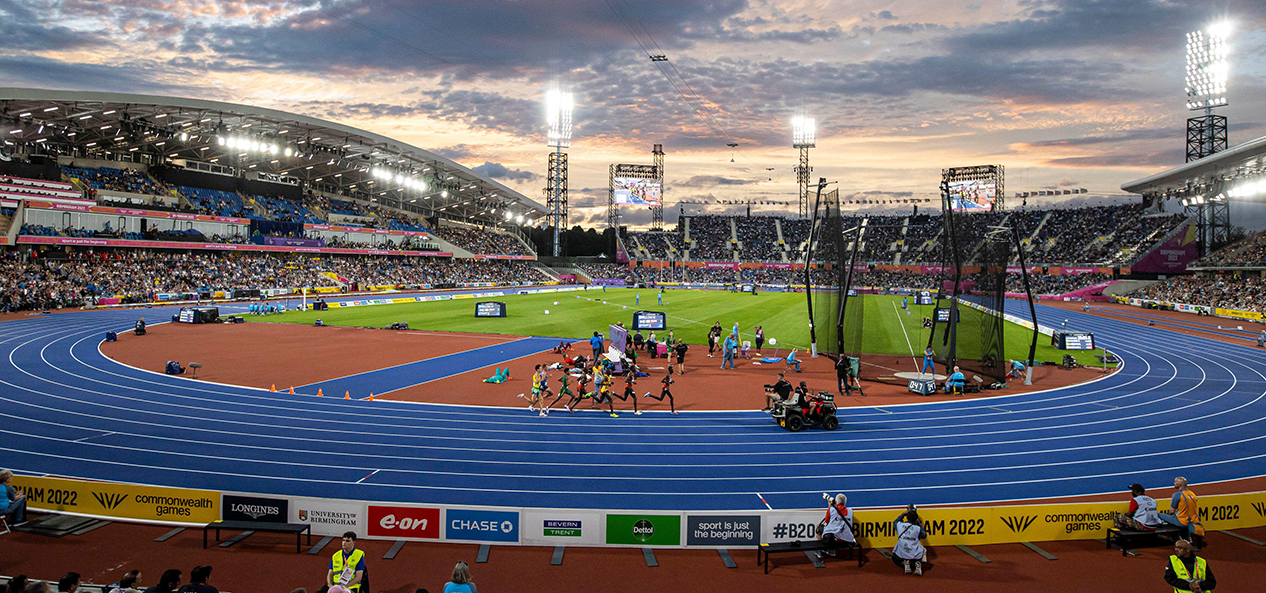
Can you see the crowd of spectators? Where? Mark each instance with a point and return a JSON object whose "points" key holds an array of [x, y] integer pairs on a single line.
{"points": [[124, 180], [482, 241], [758, 238], [1250, 252], [711, 238], [1101, 235], [1054, 284], [285, 210], [135, 276], [1245, 293], [609, 271]]}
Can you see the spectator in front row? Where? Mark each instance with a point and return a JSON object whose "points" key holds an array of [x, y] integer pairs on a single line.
{"points": [[461, 582], [1188, 572], [909, 551], [69, 583], [17, 584], [14, 509], [168, 583], [1142, 513], [130, 581], [37, 587], [198, 581]]}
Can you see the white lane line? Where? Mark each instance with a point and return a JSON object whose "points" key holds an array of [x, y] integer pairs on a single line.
{"points": [[104, 434], [371, 474]]}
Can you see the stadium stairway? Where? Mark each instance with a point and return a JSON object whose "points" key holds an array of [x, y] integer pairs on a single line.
{"points": [[638, 248], [1038, 228]]}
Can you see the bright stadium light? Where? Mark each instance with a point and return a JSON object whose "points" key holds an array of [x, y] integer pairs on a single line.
{"points": [[558, 108], [1208, 68], [804, 132], [509, 215]]}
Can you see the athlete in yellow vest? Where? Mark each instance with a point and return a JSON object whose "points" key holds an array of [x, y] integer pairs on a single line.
{"points": [[347, 567], [1188, 572]]}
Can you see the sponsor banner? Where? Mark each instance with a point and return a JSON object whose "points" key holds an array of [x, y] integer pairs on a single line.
{"points": [[1238, 314], [1231, 511], [119, 501], [723, 530], [562, 528], [790, 526], [250, 508], [404, 522], [357, 229], [644, 530], [483, 526], [88, 207], [93, 242], [328, 517]]}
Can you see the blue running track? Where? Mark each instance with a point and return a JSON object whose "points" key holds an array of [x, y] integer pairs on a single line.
{"points": [[1181, 405]]}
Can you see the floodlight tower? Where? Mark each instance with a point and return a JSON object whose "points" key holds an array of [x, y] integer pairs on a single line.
{"points": [[1207, 73], [558, 108], [1208, 70], [657, 212], [803, 134]]}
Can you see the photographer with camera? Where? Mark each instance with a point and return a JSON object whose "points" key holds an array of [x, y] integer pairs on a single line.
{"points": [[838, 524], [909, 551], [779, 391]]}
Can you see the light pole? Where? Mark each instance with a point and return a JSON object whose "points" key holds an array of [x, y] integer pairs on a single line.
{"points": [[803, 134], [1208, 70], [558, 108]]}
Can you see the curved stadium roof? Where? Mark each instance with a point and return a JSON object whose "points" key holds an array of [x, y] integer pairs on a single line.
{"points": [[325, 155]]}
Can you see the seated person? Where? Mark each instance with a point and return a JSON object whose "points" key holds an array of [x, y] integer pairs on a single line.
{"points": [[792, 360], [12, 502], [800, 397], [954, 384], [1142, 514], [140, 327], [779, 391], [909, 550], [1017, 370]]}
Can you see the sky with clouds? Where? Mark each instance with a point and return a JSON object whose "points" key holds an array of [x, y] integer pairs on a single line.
{"points": [[1064, 93]]}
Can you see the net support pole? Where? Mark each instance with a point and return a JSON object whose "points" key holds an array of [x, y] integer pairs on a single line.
{"points": [[808, 285], [1028, 291]]}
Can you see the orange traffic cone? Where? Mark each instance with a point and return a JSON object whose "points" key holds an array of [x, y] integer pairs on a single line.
{"points": [[347, 395], [319, 394], [273, 389], [371, 397], [292, 390]]}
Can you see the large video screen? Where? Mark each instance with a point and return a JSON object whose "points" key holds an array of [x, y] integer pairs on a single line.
{"points": [[649, 320], [973, 195], [634, 191]]}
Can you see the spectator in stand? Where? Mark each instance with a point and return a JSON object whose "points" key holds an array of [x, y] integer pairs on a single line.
{"points": [[69, 583], [198, 581], [461, 581], [168, 583], [14, 502], [17, 584], [129, 583], [37, 587]]}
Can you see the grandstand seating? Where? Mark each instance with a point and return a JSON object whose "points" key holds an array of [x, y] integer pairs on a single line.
{"points": [[481, 241], [1100, 235], [216, 202], [108, 178], [1247, 253], [286, 210]]}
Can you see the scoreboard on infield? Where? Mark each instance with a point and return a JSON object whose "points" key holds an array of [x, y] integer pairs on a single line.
{"points": [[490, 309], [649, 320], [1066, 340]]}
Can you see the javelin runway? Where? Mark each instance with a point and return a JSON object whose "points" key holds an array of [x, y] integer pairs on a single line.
{"points": [[1181, 405]]}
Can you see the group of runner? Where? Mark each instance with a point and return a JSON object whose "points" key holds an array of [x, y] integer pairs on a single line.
{"points": [[601, 375]]}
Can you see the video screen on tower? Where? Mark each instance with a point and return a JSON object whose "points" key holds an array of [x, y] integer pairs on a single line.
{"points": [[635, 191], [973, 195]]}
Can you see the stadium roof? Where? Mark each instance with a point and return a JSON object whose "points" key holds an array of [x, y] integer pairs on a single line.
{"points": [[323, 154], [1202, 175]]}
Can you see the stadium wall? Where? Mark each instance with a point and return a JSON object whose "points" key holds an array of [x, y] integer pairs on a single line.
{"points": [[531, 526]]}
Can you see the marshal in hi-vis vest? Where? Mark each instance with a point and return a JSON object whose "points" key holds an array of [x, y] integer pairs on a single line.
{"points": [[1180, 570], [344, 574]]}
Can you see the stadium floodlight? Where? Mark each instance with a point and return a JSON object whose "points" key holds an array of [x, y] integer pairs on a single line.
{"points": [[509, 215], [521, 219], [803, 131], [558, 108], [1208, 68]]}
